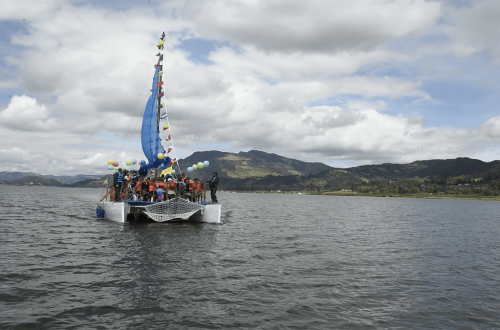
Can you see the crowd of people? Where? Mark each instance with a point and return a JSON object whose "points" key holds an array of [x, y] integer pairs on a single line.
{"points": [[140, 188]]}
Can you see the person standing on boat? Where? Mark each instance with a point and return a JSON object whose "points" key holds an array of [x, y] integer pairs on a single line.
{"points": [[187, 193], [197, 190], [213, 183], [117, 181]]}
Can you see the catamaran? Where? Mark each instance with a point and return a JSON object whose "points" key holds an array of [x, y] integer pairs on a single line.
{"points": [[157, 145]]}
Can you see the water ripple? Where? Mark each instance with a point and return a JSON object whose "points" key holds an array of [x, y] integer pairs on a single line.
{"points": [[276, 262]]}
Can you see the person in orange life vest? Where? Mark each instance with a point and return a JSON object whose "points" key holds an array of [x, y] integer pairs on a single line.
{"points": [[145, 189], [138, 185], [197, 190], [161, 185], [187, 193]]}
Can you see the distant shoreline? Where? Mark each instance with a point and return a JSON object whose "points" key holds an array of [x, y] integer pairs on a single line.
{"points": [[315, 193], [343, 193], [420, 196]]}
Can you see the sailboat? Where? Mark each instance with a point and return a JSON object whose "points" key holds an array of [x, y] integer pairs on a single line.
{"points": [[157, 145]]}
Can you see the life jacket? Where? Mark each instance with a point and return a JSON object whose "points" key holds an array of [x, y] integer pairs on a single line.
{"points": [[120, 178], [171, 185], [138, 186]]}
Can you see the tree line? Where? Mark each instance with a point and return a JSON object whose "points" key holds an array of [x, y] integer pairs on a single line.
{"points": [[454, 186]]}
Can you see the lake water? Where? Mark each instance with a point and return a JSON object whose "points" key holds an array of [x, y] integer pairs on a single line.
{"points": [[275, 262]]}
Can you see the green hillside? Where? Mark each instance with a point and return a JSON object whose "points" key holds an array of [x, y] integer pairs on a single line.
{"points": [[251, 164]]}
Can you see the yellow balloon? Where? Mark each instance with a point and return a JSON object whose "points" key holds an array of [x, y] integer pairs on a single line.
{"points": [[110, 162], [161, 156]]}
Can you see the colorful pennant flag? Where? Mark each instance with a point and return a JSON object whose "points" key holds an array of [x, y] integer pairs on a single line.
{"points": [[166, 171], [159, 83], [161, 94], [165, 127]]}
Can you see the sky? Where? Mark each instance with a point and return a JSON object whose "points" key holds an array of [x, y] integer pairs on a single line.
{"points": [[341, 82]]}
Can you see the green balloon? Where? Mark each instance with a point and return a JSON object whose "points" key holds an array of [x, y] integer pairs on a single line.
{"points": [[200, 165]]}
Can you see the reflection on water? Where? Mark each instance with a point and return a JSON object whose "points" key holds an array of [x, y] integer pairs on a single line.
{"points": [[276, 261]]}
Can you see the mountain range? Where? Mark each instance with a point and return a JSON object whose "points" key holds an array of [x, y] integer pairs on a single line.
{"points": [[256, 170], [63, 179], [251, 164]]}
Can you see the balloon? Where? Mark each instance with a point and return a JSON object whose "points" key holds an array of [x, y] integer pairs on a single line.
{"points": [[173, 172], [163, 165], [116, 164], [115, 168], [161, 156], [134, 161], [143, 162], [206, 163], [128, 162], [110, 167], [110, 162], [195, 167], [159, 191], [190, 169], [160, 197], [200, 165]]}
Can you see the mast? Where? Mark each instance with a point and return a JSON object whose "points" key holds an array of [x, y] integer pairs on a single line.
{"points": [[162, 113]]}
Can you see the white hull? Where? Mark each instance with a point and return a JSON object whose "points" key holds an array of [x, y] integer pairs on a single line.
{"points": [[119, 211]]}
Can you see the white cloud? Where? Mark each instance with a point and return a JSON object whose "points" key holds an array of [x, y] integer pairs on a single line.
{"points": [[88, 70], [476, 28], [315, 25], [491, 129], [24, 114]]}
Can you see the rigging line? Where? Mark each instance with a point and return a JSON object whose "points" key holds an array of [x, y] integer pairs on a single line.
{"points": [[169, 110], [139, 97], [137, 109], [178, 115]]}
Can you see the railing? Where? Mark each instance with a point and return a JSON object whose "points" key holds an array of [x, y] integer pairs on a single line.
{"points": [[124, 193]]}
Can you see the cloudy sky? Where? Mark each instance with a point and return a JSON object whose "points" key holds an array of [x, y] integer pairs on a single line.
{"points": [[341, 82]]}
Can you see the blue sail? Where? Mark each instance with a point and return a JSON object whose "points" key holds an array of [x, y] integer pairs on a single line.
{"points": [[150, 138]]}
